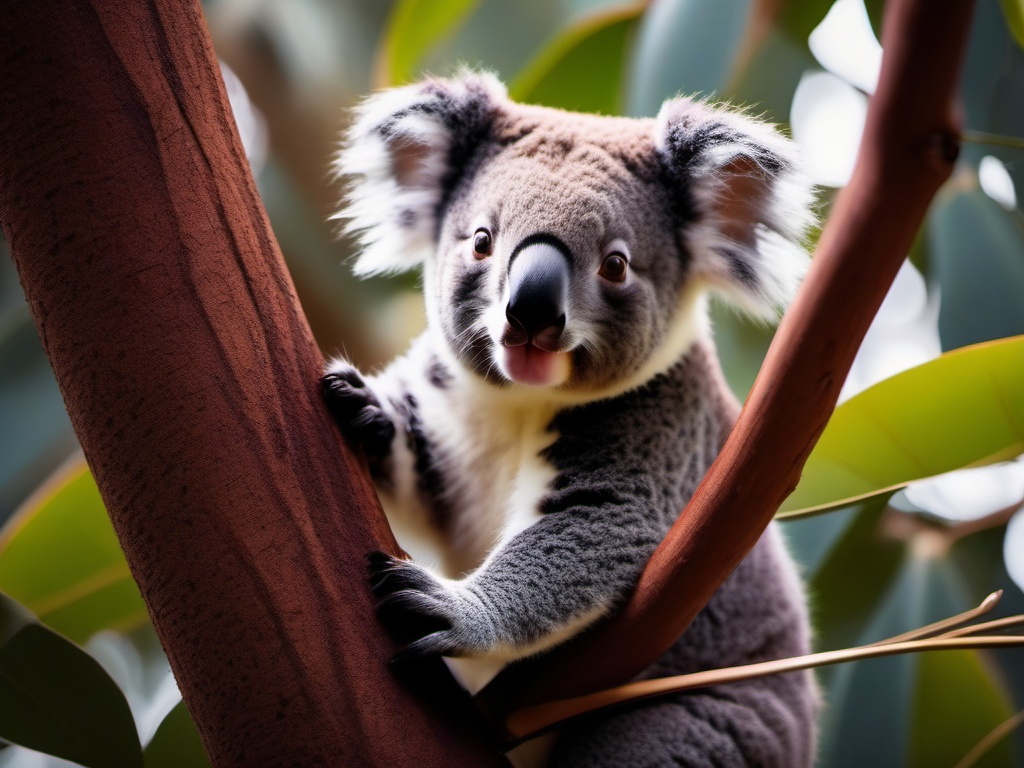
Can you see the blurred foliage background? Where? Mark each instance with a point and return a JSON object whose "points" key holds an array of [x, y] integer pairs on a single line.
{"points": [[878, 560]]}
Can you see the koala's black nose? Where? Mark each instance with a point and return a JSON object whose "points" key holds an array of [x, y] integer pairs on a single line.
{"points": [[538, 280]]}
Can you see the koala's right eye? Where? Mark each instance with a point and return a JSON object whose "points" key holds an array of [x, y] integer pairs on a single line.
{"points": [[481, 243]]}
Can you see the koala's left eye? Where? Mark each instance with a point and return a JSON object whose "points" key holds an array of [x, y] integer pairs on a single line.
{"points": [[481, 243], [614, 267]]}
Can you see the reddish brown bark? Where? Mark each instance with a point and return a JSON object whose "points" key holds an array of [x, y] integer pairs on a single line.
{"points": [[908, 149], [191, 378]]}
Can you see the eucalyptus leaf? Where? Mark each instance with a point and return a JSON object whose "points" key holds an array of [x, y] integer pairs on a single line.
{"points": [[1013, 10], [853, 578], [965, 408], [798, 18], [957, 701], [684, 46], [416, 26], [977, 248], [59, 556], [873, 697], [582, 68], [55, 698]]}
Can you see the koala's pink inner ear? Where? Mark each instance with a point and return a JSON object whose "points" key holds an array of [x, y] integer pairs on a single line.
{"points": [[739, 201]]}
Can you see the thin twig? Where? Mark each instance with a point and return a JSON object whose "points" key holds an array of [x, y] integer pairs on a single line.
{"points": [[995, 139], [531, 721], [939, 627], [941, 635], [997, 734]]}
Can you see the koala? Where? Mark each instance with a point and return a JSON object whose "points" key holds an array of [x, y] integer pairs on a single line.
{"points": [[544, 432]]}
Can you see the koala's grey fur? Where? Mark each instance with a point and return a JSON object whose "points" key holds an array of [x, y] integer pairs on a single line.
{"points": [[544, 502]]}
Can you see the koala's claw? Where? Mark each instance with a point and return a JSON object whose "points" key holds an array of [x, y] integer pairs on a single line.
{"points": [[420, 611], [357, 410]]}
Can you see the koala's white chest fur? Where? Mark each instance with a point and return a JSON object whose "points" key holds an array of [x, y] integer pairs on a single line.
{"points": [[488, 454]]}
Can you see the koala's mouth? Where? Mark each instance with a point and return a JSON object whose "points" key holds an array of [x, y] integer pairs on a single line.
{"points": [[529, 364]]}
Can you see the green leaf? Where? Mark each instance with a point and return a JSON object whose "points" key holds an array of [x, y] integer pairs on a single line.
{"points": [[925, 709], [867, 707], [875, 9], [900, 701], [416, 26], [843, 606], [799, 17], [956, 682], [59, 557], [582, 68], [768, 75], [55, 698], [684, 46], [976, 245], [1013, 10], [956, 699], [176, 743], [965, 408]]}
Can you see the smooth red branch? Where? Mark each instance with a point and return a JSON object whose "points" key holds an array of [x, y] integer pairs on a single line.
{"points": [[908, 150], [191, 378]]}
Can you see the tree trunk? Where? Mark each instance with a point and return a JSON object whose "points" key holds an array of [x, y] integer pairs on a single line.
{"points": [[191, 378]]}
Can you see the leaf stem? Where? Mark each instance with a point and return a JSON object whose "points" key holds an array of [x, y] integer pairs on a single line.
{"points": [[995, 139]]}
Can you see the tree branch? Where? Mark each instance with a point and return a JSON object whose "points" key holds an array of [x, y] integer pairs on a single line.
{"points": [[907, 152], [191, 378]]}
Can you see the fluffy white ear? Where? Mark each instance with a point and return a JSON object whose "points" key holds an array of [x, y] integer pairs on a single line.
{"points": [[745, 203], [403, 155]]}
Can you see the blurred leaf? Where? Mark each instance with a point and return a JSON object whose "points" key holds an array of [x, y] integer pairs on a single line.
{"points": [[59, 556], [177, 743], [799, 17], [813, 538], [502, 37], [875, 9], [848, 587], [742, 344], [923, 709], [1013, 10], [866, 718], [55, 698], [965, 408], [767, 78], [977, 248], [582, 68], [684, 46], [992, 79], [416, 26], [956, 700], [956, 682]]}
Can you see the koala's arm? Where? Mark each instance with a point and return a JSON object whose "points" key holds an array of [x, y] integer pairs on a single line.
{"points": [[540, 587], [625, 469]]}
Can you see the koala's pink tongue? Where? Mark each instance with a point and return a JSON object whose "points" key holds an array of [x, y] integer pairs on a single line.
{"points": [[528, 364]]}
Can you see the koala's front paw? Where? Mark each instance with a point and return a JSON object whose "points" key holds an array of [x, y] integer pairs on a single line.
{"points": [[357, 410], [430, 617]]}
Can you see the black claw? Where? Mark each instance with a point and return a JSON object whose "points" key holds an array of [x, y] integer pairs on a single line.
{"points": [[358, 412], [377, 557]]}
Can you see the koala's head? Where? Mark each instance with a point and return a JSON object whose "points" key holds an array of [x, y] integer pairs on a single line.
{"points": [[569, 251]]}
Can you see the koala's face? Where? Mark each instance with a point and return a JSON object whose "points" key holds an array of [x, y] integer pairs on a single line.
{"points": [[557, 262], [566, 251]]}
